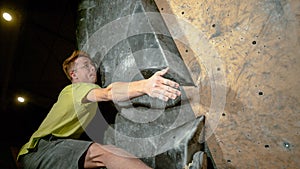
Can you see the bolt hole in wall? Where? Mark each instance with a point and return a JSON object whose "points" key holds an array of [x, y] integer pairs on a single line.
{"points": [[286, 145]]}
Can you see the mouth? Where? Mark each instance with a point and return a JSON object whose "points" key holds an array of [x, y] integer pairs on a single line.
{"points": [[93, 76]]}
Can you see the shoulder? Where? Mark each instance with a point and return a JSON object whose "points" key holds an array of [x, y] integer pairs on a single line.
{"points": [[84, 86], [77, 89], [80, 86], [80, 90]]}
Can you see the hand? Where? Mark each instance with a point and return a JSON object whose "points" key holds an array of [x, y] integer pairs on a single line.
{"points": [[160, 87]]}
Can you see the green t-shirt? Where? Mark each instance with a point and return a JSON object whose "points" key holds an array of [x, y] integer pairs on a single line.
{"points": [[68, 117]]}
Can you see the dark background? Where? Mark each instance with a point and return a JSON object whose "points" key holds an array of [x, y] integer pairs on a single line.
{"points": [[33, 47]]}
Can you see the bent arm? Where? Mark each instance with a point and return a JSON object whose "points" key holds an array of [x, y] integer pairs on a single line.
{"points": [[156, 86]]}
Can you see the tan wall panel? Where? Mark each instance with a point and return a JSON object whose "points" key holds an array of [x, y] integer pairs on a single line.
{"points": [[255, 46]]}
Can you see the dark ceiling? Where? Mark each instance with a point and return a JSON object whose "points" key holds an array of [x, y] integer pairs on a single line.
{"points": [[33, 48]]}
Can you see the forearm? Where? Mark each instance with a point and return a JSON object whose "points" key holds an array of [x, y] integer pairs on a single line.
{"points": [[117, 91], [123, 91]]}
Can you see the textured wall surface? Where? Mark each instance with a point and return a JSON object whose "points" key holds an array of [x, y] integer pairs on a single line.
{"points": [[130, 41], [245, 59]]}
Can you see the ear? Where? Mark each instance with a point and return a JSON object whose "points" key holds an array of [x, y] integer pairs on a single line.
{"points": [[73, 75]]}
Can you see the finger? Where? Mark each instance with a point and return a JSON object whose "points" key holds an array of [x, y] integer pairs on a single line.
{"points": [[173, 93], [162, 72], [164, 98], [170, 83], [168, 92], [160, 94], [170, 95]]}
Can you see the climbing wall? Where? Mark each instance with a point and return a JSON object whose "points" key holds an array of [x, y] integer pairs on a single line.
{"points": [[244, 57]]}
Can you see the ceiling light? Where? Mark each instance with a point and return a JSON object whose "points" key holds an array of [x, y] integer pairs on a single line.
{"points": [[7, 16], [21, 99]]}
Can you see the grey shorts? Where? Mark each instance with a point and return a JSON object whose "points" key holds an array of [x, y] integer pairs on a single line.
{"points": [[56, 154]]}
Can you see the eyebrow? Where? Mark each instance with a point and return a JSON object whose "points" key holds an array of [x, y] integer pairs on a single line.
{"points": [[87, 62]]}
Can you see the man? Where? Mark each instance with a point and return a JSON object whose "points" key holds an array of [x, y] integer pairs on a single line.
{"points": [[56, 143]]}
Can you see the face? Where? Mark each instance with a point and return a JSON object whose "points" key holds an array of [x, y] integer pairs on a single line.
{"points": [[84, 71]]}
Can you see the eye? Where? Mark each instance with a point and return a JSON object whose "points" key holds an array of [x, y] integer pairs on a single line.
{"points": [[95, 64], [86, 66]]}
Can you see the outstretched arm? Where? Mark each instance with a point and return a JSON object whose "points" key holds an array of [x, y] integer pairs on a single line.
{"points": [[156, 86]]}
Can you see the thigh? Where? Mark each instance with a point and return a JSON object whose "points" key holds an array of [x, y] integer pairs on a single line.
{"points": [[111, 157], [58, 154]]}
